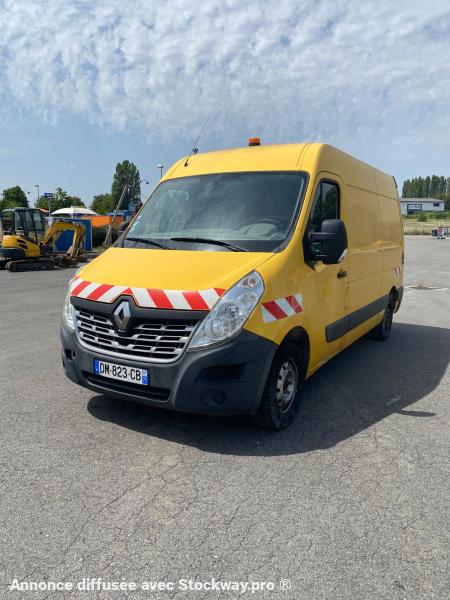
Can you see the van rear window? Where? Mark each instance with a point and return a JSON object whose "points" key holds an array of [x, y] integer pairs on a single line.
{"points": [[255, 211]]}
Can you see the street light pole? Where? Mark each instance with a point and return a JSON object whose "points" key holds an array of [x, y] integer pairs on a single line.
{"points": [[160, 167], [36, 185], [145, 182]]}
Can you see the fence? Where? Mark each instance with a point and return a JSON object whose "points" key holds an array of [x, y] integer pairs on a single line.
{"points": [[424, 228]]}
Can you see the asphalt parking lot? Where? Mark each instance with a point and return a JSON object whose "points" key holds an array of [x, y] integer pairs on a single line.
{"points": [[350, 503]]}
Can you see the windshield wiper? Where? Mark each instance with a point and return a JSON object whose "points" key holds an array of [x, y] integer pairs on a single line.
{"points": [[200, 240], [147, 241]]}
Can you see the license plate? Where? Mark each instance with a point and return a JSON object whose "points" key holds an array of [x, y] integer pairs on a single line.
{"points": [[121, 372]]}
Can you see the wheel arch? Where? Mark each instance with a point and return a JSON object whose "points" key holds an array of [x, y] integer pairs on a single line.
{"points": [[396, 296], [299, 336]]}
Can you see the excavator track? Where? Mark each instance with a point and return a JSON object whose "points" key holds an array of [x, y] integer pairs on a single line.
{"points": [[40, 264]]}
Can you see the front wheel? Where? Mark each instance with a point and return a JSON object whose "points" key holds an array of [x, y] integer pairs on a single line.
{"points": [[382, 331], [281, 392]]}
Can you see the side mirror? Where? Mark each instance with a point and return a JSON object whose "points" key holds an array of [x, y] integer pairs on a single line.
{"points": [[330, 244]]}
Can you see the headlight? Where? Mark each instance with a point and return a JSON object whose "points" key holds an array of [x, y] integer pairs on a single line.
{"points": [[69, 314], [69, 310], [230, 313]]}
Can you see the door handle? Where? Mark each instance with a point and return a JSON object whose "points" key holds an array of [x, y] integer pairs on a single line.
{"points": [[341, 274]]}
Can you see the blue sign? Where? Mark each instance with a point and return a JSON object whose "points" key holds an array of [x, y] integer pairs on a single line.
{"points": [[48, 195]]}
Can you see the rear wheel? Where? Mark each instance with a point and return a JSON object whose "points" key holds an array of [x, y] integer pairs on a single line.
{"points": [[382, 331], [281, 392]]}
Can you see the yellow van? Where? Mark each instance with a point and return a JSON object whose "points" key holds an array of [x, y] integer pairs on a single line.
{"points": [[244, 272]]}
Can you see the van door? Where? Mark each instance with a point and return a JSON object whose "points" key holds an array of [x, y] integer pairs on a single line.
{"points": [[365, 255], [328, 282]]}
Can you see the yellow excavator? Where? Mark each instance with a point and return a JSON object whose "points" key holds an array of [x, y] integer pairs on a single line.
{"points": [[26, 244]]}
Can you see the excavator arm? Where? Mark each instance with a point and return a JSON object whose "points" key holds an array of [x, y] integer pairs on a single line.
{"points": [[52, 234]]}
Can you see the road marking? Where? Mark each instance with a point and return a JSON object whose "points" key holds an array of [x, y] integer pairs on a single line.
{"points": [[394, 400]]}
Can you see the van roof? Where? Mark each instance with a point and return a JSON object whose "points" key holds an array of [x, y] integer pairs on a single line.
{"points": [[275, 157], [251, 158]]}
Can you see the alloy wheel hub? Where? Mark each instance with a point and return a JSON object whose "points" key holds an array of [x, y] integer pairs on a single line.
{"points": [[286, 385]]}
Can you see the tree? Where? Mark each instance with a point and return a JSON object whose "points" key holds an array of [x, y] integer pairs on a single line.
{"points": [[12, 197], [434, 186], [441, 188], [419, 188], [61, 199], [427, 186], [76, 201], [406, 189], [102, 204], [126, 174]]}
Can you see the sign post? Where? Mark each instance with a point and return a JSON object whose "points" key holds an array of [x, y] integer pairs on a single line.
{"points": [[108, 238], [49, 196]]}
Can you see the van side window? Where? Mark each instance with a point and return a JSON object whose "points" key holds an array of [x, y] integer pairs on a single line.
{"points": [[330, 201], [316, 211], [325, 206]]}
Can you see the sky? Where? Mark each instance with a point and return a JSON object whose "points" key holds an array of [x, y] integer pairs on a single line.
{"points": [[86, 84]]}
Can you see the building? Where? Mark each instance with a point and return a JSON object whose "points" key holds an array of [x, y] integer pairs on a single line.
{"points": [[411, 206]]}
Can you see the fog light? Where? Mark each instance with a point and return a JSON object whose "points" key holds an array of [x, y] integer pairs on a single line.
{"points": [[213, 397]]}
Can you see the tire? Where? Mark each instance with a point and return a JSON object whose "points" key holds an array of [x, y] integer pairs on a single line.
{"points": [[382, 331], [281, 393]]}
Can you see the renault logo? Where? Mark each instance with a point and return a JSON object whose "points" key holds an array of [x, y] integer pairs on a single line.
{"points": [[122, 316]]}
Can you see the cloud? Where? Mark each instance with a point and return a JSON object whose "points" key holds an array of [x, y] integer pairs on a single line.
{"points": [[285, 69]]}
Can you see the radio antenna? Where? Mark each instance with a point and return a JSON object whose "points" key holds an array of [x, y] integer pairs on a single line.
{"points": [[194, 147]]}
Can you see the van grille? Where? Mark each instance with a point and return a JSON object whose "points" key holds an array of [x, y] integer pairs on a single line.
{"points": [[150, 340]]}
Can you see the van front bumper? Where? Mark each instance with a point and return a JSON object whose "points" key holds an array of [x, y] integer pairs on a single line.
{"points": [[226, 379]]}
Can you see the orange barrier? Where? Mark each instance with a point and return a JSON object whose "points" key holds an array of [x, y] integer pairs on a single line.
{"points": [[103, 220]]}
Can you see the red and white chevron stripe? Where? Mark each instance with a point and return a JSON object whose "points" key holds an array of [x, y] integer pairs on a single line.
{"points": [[281, 308], [147, 297], [398, 271]]}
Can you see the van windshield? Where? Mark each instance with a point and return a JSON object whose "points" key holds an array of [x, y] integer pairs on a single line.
{"points": [[242, 211]]}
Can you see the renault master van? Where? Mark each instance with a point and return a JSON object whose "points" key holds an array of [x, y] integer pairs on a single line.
{"points": [[244, 272]]}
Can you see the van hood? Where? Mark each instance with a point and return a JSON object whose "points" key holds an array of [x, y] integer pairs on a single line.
{"points": [[171, 269]]}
